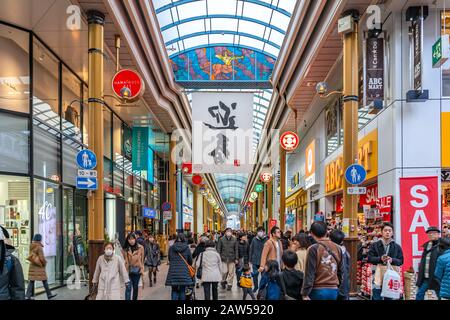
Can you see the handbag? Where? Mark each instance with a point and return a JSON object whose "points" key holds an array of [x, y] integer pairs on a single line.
{"points": [[92, 293], [200, 268], [190, 268]]}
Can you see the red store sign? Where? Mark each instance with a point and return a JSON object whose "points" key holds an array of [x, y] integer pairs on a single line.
{"points": [[127, 84], [419, 206]]}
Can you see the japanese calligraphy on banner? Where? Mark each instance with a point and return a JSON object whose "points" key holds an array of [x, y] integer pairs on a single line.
{"points": [[419, 206], [222, 132]]}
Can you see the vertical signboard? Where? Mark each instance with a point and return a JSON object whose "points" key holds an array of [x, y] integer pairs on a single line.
{"points": [[222, 132], [127, 142], [419, 206], [374, 69], [417, 53], [310, 165], [140, 148]]}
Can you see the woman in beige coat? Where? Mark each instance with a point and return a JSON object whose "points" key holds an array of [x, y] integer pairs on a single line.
{"points": [[37, 268], [300, 244], [134, 263], [110, 274]]}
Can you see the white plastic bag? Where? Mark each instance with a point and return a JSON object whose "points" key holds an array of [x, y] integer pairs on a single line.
{"points": [[392, 285]]}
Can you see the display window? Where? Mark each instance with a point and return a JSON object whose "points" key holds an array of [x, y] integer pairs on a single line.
{"points": [[14, 135], [15, 215]]}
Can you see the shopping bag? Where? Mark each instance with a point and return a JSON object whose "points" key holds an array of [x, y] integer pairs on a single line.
{"points": [[391, 284]]}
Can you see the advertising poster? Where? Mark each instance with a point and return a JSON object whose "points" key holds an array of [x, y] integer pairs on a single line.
{"points": [[374, 69], [419, 209], [140, 149], [47, 228]]}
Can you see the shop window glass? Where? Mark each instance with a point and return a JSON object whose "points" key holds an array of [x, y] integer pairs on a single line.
{"points": [[68, 231], [70, 150], [145, 192], [15, 215], [14, 143], [128, 181], [45, 87], [128, 218], [46, 152], [107, 128], [117, 138], [107, 175], [47, 222], [331, 126], [71, 105], [15, 70], [118, 178], [137, 189]]}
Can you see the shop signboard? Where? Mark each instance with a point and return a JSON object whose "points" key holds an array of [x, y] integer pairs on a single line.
{"points": [[319, 216], [419, 206], [441, 51], [48, 228], [310, 165], [222, 124], [259, 188], [148, 213], [127, 84], [266, 176], [385, 204], [374, 69], [289, 141], [417, 30], [445, 175], [370, 197], [140, 148], [127, 146], [346, 226], [339, 203], [272, 223]]}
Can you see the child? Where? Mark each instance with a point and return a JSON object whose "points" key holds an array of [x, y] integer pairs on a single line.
{"points": [[246, 283], [271, 287], [292, 278]]}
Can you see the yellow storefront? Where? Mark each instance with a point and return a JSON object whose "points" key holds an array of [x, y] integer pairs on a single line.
{"points": [[296, 204]]}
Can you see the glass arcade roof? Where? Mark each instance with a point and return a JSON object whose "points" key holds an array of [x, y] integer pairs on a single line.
{"points": [[231, 42]]}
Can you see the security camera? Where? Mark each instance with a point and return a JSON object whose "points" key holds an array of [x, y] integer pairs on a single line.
{"points": [[322, 88]]}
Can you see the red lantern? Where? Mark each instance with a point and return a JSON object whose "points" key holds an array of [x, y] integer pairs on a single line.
{"points": [[289, 141], [197, 179], [266, 176], [127, 84]]}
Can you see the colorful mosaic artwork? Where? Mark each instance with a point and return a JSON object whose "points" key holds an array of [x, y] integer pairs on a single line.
{"points": [[222, 64]]}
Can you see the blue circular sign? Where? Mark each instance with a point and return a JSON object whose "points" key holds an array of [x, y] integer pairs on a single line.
{"points": [[355, 174], [166, 206], [86, 159]]}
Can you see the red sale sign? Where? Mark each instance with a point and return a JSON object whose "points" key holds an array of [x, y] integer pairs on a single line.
{"points": [[419, 206]]}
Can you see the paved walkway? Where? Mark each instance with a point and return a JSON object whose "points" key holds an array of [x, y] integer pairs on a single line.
{"points": [[157, 292]]}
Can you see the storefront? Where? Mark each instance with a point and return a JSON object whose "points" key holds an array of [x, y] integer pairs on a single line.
{"points": [[296, 206]]}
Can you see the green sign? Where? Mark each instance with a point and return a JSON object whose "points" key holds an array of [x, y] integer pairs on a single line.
{"points": [[259, 188], [140, 148], [440, 52]]}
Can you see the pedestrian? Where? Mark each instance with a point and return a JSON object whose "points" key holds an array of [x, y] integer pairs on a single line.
{"points": [[110, 274], [152, 258], [12, 284], [228, 248], [134, 256], [37, 272], [211, 265], [324, 266], [243, 255], [178, 276], [273, 249], [425, 277], [191, 245], [380, 253], [292, 278], [271, 287], [300, 245], [337, 236], [255, 252], [246, 283], [201, 246], [442, 271], [286, 239]]}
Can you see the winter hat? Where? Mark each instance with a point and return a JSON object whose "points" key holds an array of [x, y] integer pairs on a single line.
{"points": [[37, 237], [433, 229]]}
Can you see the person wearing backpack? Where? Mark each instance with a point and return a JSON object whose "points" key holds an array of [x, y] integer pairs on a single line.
{"points": [[12, 284], [271, 286], [337, 236], [209, 265], [324, 266]]}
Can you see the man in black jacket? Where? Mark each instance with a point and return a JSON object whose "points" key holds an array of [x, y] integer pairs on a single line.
{"points": [[256, 248], [383, 251], [228, 250], [12, 284], [431, 252]]}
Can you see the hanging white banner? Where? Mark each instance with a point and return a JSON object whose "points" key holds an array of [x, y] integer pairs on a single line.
{"points": [[222, 132]]}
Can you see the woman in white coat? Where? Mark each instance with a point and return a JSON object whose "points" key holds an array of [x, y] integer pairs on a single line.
{"points": [[211, 270], [110, 275]]}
